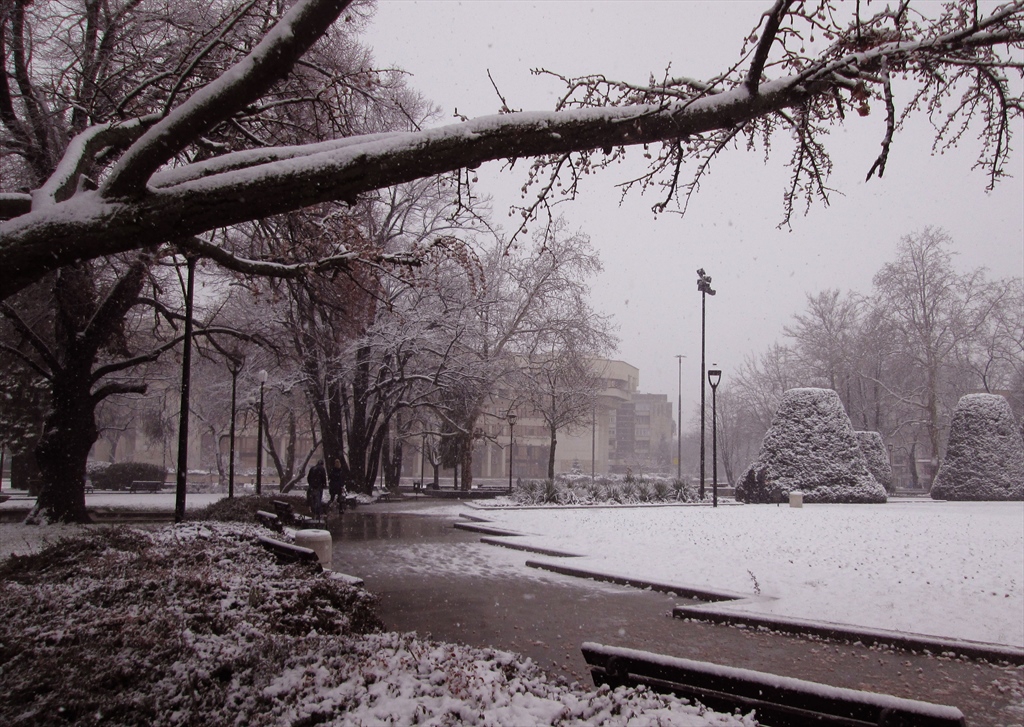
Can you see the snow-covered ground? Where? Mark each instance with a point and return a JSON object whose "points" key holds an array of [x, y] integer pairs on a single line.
{"points": [[938, 568]]}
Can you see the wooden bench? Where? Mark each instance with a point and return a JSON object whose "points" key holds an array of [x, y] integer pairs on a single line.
{"points": [[147, 486], [779, 701], [287, 516], [269, 519], [289, 552]]}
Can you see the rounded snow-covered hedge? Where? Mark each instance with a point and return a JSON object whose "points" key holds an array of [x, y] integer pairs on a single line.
{"points": [[877, 457], [984, 454], [810, 447]]}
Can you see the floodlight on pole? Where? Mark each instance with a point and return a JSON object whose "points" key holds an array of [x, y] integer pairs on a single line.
{"points": [[704, 286]]}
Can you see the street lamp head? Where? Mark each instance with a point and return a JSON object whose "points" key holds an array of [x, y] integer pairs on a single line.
{"points": [[262, 375], [511, 417], [714, 377]]}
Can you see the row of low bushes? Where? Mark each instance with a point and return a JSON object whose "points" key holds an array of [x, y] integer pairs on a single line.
{"points": [[121, 475], [574, 489]]}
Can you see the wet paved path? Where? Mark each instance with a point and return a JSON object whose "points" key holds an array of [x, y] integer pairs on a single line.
{"points": [[440, 581]]}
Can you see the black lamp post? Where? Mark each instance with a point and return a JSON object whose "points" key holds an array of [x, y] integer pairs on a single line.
{"points": [[679, 422], [704, 286], [236, 366], [423, 460], [186, 384], [714, 377], [512, 418], [259, 437]]}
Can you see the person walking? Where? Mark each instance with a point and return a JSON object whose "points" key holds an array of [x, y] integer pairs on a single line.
{"points": [[316, 480], [336, 485]]}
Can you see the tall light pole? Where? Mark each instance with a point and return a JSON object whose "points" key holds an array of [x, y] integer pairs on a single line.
{"points": [[259, 437], [236, 366], [186, 384], [714, 378], [704, 286], [512, 418], [679, 422]]}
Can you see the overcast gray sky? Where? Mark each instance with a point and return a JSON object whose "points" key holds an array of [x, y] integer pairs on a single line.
{"points": [[761, 273]]}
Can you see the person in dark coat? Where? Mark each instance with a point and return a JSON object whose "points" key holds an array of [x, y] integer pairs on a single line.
{"points": [[316, 480], [336, 485]]}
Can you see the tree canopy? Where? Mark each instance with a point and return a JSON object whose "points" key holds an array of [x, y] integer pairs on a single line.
{"points": [[128, 181]]}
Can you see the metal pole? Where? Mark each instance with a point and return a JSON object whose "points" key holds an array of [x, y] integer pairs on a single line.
{"points": [[186, 383], [714, 446], [423, 461], [679, 422], [703, 300], [259, 445], [593, 445], [511, 443], [704, 286], [231, 435]]}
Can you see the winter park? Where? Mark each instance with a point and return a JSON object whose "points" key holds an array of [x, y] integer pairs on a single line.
{"points": [[395, 362]]}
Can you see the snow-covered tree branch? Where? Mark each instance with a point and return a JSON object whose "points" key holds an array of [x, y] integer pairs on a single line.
{"points": [[958, 66]]}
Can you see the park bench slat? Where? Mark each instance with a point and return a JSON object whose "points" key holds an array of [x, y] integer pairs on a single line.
{"points": [[778, 700], [289, 552]]}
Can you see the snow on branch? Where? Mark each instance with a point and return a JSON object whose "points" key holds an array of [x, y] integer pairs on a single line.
{"points": [[692, 121], [241, 84]]}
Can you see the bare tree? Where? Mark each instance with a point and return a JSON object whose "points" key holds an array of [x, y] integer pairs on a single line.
{"points": [[562, 388], [143, 175], [934, 312]]}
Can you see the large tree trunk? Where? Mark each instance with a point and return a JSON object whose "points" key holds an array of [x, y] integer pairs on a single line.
{"points": [[467, 465], [551, 454], [63, 450]]}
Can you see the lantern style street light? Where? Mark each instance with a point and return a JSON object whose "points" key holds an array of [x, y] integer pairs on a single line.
{"points": [[259, 437], [714, 378], [512, 418], [704, 286]]}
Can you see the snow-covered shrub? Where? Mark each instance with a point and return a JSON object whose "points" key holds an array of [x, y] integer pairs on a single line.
{"points": [[877, 457], [627, 490], [810, 446], [984, 454], [121, 475]]}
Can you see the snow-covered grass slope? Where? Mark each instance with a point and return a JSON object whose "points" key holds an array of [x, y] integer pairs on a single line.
{"points": [[945, 569]]}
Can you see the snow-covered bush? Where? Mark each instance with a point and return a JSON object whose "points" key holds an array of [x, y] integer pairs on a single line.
{"points": [[810, 446], [573, 489], [877, 457], [198, 625], [121, 475], [984, 454]]}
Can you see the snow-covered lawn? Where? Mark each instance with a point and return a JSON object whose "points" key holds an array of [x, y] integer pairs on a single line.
{"points": [[938, 568]]}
